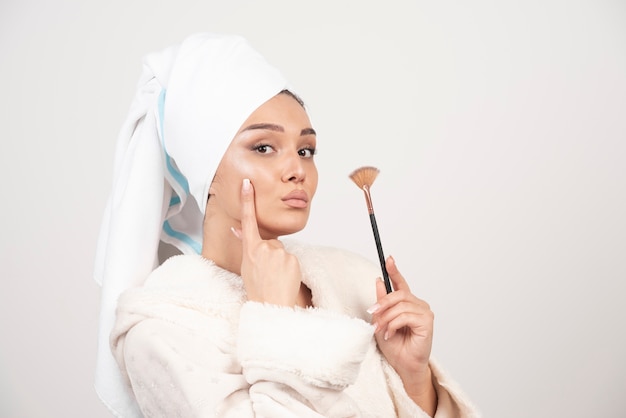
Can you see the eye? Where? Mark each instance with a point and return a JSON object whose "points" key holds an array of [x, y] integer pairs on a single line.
{"points": [[307, 152], [263, 149]]}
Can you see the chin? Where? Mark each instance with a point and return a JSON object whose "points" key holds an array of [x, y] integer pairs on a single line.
{"points": [[282, 227]]}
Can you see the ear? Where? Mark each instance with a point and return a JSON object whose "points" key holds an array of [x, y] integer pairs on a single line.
{"points": [[212, 185], [209, 201]]}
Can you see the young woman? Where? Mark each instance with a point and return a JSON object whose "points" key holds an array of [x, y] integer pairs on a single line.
{"points": [[217, 158]]}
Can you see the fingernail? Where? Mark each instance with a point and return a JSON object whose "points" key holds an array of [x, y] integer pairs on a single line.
{"points": [[375, 327], [235, 232], [246, 185], [393, 260], [373, 309], [386, 337]]}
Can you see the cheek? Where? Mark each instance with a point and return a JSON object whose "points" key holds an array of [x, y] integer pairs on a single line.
{"points": [[230, 186], [264, 186], [227, 189], [233, 169], [313, 178], [225, 194], [240, 168]]}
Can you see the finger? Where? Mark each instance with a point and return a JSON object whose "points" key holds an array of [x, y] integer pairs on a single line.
{"points": [[416, 307], [398, 281], [236, 232], [383, 299], [415, 315], [249, 227], [393, 304], [420, 325], [381, 290]]}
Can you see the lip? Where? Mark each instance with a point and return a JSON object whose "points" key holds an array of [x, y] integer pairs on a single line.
{"points": [[296, 199]]}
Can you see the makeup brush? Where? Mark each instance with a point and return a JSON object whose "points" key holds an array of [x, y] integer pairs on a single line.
{"points": [[364, 177]]}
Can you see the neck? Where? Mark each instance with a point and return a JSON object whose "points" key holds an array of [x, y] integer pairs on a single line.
{"points": [[221, 246]]}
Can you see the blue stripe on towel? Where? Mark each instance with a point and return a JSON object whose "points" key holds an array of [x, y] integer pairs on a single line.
{"points": [[180, 179], [181, 237], [175, 200]]}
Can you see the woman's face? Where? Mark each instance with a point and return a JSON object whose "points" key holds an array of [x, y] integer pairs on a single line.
{"points": [[274, 148]]}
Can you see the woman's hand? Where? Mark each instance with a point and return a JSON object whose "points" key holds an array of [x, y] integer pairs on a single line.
{"points": [[404, 333], [270, 274]]}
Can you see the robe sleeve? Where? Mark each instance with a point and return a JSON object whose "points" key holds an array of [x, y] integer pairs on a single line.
{"points": [[278, 362], [451, 401]]}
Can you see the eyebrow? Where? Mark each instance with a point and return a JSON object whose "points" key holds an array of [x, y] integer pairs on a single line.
{"points": [[277, 128]]}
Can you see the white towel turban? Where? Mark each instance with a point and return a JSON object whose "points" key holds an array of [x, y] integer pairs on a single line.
{"points": [[191, 100]]}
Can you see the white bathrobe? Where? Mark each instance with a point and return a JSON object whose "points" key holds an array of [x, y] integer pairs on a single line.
{"points": [[192, 346]]}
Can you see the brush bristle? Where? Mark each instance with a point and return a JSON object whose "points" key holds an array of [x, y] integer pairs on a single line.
{"points": [[364, 176]]}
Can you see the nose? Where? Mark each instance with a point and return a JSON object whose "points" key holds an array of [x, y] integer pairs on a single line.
{"points": [[293, 169]]}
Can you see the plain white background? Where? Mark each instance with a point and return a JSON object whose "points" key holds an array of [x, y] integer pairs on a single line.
{"points": [[499, 128]]}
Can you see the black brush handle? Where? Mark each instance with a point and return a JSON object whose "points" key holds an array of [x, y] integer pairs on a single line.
{"points": [[381, 256]]}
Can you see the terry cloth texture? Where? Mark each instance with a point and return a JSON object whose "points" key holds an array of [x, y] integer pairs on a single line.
{"points": [[191, 100], [190, 345]]}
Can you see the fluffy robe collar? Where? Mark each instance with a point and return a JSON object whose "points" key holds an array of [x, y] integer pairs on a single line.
{"points": [[339, 280]]}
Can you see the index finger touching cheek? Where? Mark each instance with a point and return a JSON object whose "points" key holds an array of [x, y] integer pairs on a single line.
{"points": [[249, 227]]}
